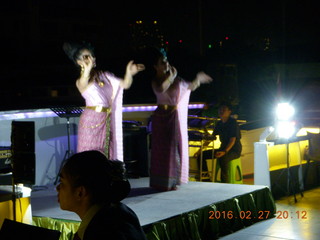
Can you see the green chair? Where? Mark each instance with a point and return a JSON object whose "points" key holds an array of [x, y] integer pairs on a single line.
{"points": [[235, 171]]}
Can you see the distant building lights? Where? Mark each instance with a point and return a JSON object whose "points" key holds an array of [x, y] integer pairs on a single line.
{"points": [[267, 44]]}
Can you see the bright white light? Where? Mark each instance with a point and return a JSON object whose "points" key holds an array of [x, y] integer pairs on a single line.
{"points": [[286, 129], [284, 111]]}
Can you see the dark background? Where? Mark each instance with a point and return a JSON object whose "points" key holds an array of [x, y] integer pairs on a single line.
{"points": [[239, 43]]}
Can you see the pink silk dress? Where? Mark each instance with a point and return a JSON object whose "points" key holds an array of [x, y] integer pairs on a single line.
{"points": [[102, 130], [169, 149]]}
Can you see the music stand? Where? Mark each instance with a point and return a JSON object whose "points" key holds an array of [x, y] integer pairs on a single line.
{"points": [[290, 179], [66, 112]]}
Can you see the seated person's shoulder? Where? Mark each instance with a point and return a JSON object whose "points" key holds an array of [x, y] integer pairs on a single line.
{"points": [[123, 210], [120, 221]]}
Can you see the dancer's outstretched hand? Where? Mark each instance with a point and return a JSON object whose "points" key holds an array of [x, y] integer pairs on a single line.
{"points": [[134, 68], [203, 78]]}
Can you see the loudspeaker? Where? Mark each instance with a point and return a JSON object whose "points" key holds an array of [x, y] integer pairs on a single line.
{"points": [[135, 151], [12, 230], [22, 136], [24, 167], [23, 152]]}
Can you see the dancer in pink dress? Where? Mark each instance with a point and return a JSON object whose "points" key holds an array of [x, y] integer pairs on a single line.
{"points": [[100, 124], [169, 150]]}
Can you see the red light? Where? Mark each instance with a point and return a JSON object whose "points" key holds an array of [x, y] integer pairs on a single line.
{"points": [[180, 41], [167, 42], [227, 38]]}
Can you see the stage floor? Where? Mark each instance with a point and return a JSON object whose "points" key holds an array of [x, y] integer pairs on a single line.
{"points": [[150, 205]]}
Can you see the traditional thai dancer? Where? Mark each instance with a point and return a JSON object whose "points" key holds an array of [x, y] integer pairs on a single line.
{"points": [[169, 149], [100, 124]]}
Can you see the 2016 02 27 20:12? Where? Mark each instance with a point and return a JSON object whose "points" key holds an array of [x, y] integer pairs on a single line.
{"points": [[259, 215]]}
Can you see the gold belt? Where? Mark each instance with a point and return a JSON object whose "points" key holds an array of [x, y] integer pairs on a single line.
{"points": [[99, 108], [167, 107]]}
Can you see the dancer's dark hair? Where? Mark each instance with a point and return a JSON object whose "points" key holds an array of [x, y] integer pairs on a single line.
{"points": [[149, 56], [73, 49]]}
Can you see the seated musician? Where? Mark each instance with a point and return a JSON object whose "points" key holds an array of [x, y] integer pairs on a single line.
{"points": [[229, 133]]}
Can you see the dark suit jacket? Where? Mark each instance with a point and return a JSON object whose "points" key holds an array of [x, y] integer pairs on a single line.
{"points": [[116, 222]]}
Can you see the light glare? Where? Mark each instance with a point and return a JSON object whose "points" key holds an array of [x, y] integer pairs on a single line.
{"points": [[286, 129], [284, 111]]}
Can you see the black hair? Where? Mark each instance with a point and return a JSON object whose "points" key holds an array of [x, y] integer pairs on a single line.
{"points": [[104, 179], [73, 49], [150, 56], [225, 104]]}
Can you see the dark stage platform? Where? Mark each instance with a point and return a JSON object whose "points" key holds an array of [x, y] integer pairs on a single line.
{"points": [[197, 210]]}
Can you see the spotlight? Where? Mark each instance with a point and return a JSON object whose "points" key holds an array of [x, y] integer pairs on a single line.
{"points": [[284, 111], [286, 129], [284, 125]]}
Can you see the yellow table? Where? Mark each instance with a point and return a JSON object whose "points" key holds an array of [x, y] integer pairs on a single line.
{"points": [[23, 206]]}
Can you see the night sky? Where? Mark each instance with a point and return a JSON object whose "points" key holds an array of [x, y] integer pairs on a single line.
{"points": [[33, 32]]}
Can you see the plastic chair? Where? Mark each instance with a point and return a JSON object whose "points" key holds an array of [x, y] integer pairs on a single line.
{"points": [[235, 171]]}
